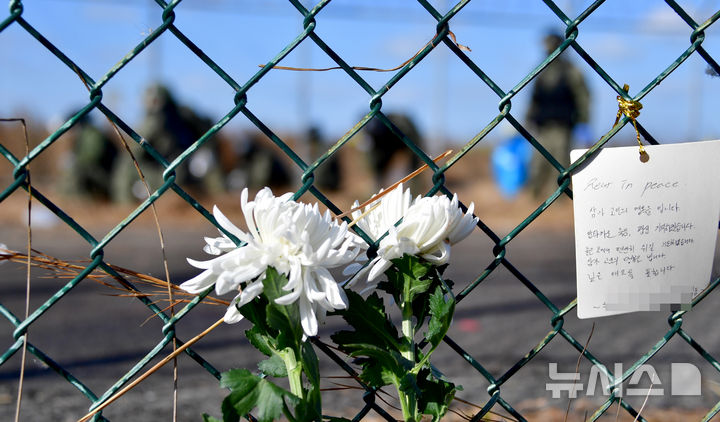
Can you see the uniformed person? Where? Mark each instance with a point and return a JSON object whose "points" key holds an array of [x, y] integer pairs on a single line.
{"points": [[560, 101], [170, 129], [90, 163], [386, 148], [329, 174]]}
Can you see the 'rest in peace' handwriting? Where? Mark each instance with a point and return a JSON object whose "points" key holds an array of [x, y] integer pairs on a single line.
{"points": [[597, 184]]}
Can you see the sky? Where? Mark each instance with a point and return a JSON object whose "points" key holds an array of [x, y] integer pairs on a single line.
{"points": [[633, 41]]}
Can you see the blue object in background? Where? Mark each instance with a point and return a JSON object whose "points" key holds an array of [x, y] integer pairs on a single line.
{"points": [[510, 162], [583, 135]]}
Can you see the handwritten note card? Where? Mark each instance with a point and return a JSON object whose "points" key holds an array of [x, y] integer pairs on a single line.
{"points": [[645, 232]]}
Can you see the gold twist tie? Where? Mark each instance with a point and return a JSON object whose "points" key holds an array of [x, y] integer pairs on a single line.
{"points": [[631, 109]]}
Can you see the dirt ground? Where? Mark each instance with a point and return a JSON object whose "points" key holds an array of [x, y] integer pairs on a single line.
{"points": [[470, 178]]}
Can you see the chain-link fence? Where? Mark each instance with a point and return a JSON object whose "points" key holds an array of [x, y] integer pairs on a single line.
{"points": [[442, 38]]}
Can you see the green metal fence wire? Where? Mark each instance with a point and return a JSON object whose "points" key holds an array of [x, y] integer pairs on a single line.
{"points": [[441, 31]]}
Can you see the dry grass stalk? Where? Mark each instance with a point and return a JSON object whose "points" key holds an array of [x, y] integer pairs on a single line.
{"points": [[361, 216], [70, 269], [159, 230], [370, 69], [644, 402], [29, 266], [577, 367]]}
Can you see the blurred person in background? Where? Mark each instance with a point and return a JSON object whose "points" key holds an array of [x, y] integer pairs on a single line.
{"points": [[254, 163], [170, 128], [390, 158], [558, 106], [329, 174], [88, 168]]}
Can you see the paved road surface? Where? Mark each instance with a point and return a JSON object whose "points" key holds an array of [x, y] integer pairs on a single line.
{"points": [[98, 337]]}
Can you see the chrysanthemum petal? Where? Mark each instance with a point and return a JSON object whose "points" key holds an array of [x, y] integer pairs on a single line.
{"points": [[335, 295], [464, 227], [218, 245], [199, 283], [289, 298], [226, 224], [203, 265], [233, 315], [378, 268], [352, 268], [296, 239], [294, 286], [224, 283], [439, 255], [427, 227], [307, 318], [250, 292]]}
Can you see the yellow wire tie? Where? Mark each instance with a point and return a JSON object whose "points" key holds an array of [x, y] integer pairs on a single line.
{"points": [[631, 109]]}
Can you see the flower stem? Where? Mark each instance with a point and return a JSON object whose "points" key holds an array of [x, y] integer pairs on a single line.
{"points": [[294, 372], [408, 401]]}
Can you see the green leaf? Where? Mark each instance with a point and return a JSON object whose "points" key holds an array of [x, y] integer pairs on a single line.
{"points": [[229, 412], [236, 379], [415, 278], [436, 394], [284, 319], [375, 340], [261, 335], [382, 367], [259, 338], [274, 366], [375, 374], [290, 331], [305, 411], [208, 418], [441, 313], [310, 364], [411, 270], [421, 305], [408, 384], [368, 318], [412, 266], [250, 391], [436, 374], [418, 286], [420, 310], [273, 284], [254, 311], [311, 368], [393, 285]]}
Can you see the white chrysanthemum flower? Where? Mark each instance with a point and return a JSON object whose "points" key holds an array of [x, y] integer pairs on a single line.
{"points": [[429, 227], [295, 239]]}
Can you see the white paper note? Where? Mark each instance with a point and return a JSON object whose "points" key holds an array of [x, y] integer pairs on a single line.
{"points": [[645, 232]]}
